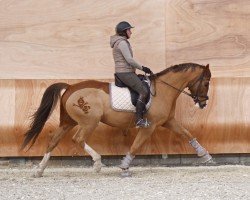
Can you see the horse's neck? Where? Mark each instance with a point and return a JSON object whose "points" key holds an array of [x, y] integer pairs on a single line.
{"points": [[179, 80]]}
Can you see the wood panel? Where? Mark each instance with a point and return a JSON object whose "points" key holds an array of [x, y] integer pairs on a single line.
{"points": [[7, 115], [207, 31], [70, 39], [222, 127]]}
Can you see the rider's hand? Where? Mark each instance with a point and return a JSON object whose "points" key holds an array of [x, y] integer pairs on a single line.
{"points": [[146, 70]]}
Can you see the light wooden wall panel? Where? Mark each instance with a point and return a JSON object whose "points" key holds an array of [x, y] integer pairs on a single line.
{"points": [[7, 116], [21, 98], [208, 31], [69, 40], [222, 127]]}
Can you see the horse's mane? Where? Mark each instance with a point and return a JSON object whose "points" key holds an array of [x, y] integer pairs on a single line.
{"points": [[178, 68]]}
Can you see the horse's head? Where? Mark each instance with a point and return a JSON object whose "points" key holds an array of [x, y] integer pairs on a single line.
{"points": [[199, 87]]}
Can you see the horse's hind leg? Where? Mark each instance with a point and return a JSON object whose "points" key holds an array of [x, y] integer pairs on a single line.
{"points": [[177, 128], [81, 136], [59, 133], [95, 156]]}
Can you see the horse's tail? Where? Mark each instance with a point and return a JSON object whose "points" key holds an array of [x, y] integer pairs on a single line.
{"points": [[47, 105]]}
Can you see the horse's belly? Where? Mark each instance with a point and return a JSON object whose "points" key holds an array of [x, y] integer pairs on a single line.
{"points": [[117, 118]]}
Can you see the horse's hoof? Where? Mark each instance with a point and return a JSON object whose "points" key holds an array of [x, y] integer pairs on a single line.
{"points": [[97, 166], [126, 173], [121, 166], [37, 174], [210, 162], [205, 159]]}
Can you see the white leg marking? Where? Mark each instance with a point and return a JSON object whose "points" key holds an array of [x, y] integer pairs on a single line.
{"points": [[42, 165], [95, 156]]}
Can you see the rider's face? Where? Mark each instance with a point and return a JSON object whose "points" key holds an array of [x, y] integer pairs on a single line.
{"points": [[129, 33]]}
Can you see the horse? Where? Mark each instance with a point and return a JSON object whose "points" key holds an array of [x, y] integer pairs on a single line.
{"points": [[88, 102]]}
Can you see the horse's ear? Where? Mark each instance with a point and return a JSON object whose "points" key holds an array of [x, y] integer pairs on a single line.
{"points": [[207, 66]]}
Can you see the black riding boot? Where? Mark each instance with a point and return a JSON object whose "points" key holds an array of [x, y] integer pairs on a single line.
{"points": [[140, 108]]}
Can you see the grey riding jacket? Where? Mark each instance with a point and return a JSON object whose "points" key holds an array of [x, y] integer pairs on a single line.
{"points": [[123, 55]]}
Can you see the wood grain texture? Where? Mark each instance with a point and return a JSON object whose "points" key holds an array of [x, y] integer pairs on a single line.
{"points": [[69, 40], [72, 41], [7, 115], [222, 127], [207, 31]]}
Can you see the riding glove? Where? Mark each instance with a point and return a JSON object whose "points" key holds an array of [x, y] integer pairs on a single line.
{"points": [[146, 70]]}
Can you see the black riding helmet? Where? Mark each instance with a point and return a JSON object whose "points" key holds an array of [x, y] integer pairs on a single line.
{"points": [[121, 28]]}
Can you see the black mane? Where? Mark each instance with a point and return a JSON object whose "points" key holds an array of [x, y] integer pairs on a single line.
{"points": [[178, 68]]}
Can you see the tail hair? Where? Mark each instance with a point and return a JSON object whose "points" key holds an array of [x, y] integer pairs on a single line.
{"points": [[39, 118]]}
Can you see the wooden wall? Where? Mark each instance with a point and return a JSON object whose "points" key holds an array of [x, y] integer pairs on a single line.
{"points": [[50, 41]]}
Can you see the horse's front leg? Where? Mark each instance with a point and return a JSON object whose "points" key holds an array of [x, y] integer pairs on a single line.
{"points": [[142, 136], [175, 126]]}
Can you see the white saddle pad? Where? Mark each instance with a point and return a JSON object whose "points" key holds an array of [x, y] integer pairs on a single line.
{"points": [[121, 99]]}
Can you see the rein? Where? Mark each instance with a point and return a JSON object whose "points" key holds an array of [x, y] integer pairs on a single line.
{"points": [[181, 91], [194, 97]]}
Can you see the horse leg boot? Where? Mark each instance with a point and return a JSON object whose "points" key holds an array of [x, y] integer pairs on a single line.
{"points": [[52, 144], [126, 161], [177, 128], [140, 109], [201, 151], [125, 165]]}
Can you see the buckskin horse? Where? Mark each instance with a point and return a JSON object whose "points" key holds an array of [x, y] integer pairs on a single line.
{"points": [[87, 103]]}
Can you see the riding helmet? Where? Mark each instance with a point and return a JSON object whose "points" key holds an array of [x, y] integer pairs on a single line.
{"points": [[121, 28]]}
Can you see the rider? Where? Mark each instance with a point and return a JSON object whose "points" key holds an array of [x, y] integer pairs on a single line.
{"points": [[125, 67]]}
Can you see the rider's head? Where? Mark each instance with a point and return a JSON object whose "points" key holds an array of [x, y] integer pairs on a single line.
{"points": [[123, 29]]}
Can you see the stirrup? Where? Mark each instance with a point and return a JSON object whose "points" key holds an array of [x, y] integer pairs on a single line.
{"points": [[142, 123]]}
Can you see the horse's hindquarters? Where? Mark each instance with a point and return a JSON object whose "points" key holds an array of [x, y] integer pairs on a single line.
{"points": [[85, 105]]}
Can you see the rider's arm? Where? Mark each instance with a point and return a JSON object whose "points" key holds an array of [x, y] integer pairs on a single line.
{"points": [[123, 46]]}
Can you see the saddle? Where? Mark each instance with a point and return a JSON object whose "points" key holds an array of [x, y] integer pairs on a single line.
{"points": [[124, 98]]}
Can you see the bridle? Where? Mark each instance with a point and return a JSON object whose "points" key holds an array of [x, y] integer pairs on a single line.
{"points": [[196, 97]]}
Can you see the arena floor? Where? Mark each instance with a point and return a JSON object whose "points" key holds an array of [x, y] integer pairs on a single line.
{"points": [[203, 182]]}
